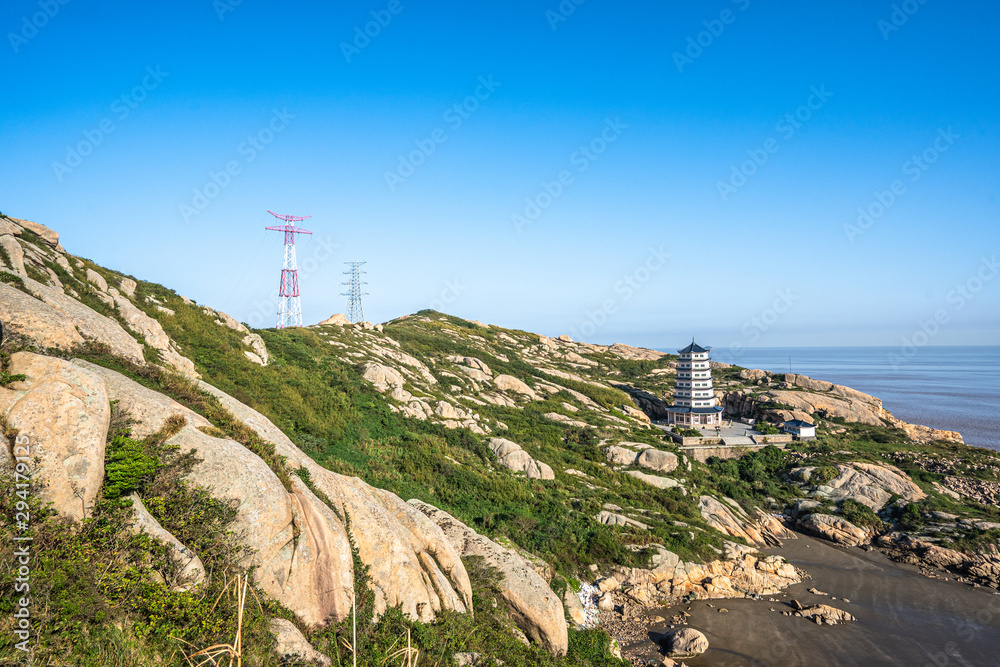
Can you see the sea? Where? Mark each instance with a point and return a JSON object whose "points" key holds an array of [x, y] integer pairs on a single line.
{"points": [[950, 388]]}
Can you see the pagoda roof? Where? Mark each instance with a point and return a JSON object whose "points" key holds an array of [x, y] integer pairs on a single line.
{"points": [[798, 423], [694, 348]]}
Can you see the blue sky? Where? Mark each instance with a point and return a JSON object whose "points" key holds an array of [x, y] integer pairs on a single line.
{"points": [[638, 172]]}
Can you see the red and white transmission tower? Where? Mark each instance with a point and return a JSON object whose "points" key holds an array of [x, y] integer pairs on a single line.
{"points": [[289, 308]]}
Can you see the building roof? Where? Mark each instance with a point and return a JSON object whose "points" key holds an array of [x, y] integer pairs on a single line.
{"points": [[798, 423], [698, 411], [694, 348]]}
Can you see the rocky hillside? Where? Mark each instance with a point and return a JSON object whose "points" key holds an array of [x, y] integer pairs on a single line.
{"points": [[474, 490]]}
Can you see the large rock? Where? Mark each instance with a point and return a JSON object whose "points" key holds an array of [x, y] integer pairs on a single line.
{"points": [[657, 460], [656, 480], [511, 456], [63, 410], [153, 333], [834, 528], [51, 237], [511, 383], [50, 317], [620, 456], [338, 319], [821, 614], [410, 561], [867, 483], [292, 647], [256, 343], [383, 377], [535, 608], [190, 570], [609, 518], [14, 253], [684, 643], [97, 280], [729, 518]]}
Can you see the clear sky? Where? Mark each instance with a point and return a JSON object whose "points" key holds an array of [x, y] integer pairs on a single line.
{"points": [[631, 171]]}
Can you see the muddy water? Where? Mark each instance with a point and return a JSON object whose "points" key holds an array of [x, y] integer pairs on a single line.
{"points": [[903, 618]]}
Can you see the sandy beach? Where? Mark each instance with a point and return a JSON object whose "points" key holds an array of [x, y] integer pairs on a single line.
{"points": [[903, 617]]}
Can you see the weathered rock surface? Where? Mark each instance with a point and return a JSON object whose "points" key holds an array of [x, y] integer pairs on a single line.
{"points": [[867, 483], [834, 528], [656, 480], [293, 647], [729, 518], [153, 333], [536, 609], [49, 318], [97, 280], [807, 397], [256, 343], [63, 409], [612, 519], [191, 571], [338, 319], [410, 561], [657, 460], [512, 384], [383, 377], [511, 456], [684, 643], [14, 253], [743, 572], [823, 614]]}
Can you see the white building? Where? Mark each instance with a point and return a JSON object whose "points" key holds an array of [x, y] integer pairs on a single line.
{"points": [[694, 397], [801, 429]]}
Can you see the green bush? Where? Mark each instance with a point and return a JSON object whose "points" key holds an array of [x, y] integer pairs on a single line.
{"points": [[861, 515]]}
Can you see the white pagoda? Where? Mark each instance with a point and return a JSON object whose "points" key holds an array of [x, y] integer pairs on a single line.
{"points": [[694, 397]]}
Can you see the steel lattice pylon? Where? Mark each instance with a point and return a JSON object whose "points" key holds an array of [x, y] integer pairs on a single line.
{"points": [[355, 311], [289, 307]]}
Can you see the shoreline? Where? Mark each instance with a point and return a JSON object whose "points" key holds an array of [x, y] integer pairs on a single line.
{"points": [[904, 618]]}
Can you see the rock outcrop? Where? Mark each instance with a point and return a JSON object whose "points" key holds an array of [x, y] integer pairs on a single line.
{"points": [[730, 519], [684, 643], [292, 647], [867, 483], [835, 529], [741, 573], [536, 609], [511, 456], [806, 396], [63, 410], [302, 552]]}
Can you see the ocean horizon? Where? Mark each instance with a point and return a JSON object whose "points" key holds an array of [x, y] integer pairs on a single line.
{"points": [[954, 388]]}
